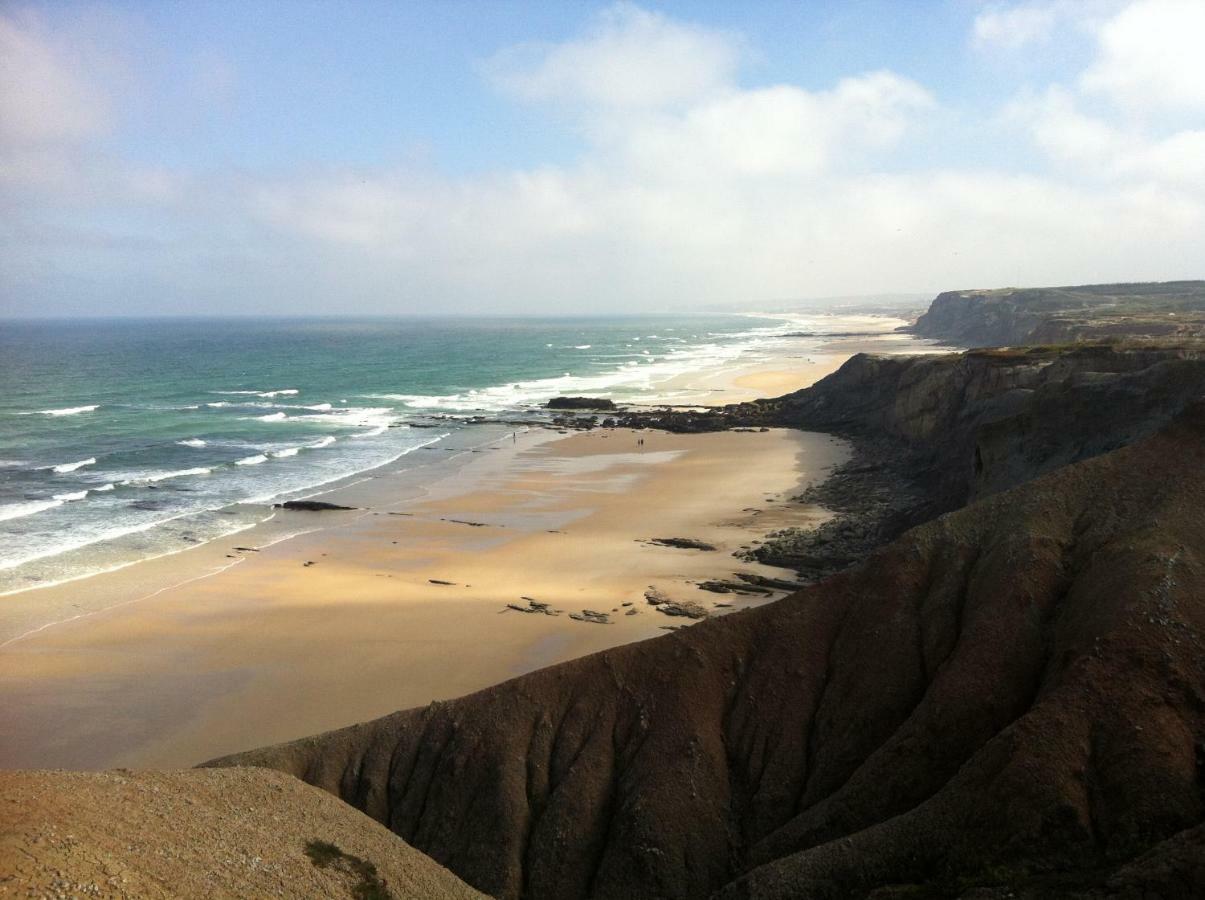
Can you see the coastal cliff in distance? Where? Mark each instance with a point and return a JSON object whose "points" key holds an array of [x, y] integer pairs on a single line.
{"points": [[1017, 316], [1010, 697]]}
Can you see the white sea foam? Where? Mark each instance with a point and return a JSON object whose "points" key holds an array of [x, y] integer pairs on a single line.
{"points": [[281, 392], [68, 411], [352, 417], [21, 510], [148, 477], [287, 451], [251, 460], [271, 417], [582, 347], [318, 407], [380, 429], [191, 442], [110, 534], [636, 378], [105, 487], [219, 404], [64, 468], [74, 495], [321, 442]]}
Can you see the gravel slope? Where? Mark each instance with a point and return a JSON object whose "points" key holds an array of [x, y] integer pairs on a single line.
{"points": [[208, 833]]}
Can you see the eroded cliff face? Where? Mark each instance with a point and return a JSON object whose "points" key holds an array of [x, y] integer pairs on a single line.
{"points": [[1010, 694], [1013, 317], [979, 422]]}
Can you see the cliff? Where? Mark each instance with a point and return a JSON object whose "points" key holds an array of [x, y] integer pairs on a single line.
{"points": [[1011, 316], [983, 421], [1010, 696]]}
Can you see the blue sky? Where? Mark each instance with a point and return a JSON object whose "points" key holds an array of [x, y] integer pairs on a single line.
{"points": [[538, 157]]}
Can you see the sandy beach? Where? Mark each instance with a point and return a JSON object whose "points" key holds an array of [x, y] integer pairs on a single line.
{"points": [[319, 620], [350, 623]]}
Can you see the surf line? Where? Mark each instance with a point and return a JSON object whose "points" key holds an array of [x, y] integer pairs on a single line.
{"points": [[103, 609]]}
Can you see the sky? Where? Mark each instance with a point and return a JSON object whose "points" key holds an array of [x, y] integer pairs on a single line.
{"points": [[220, 158]]}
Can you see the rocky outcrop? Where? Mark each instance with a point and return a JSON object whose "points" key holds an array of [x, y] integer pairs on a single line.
{"points": [[1011, 696], [976, 423], [1012, 316], [592, 403], [682, 543], [310, 506]]}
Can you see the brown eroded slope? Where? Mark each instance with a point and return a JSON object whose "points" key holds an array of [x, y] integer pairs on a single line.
{"points": [[205, 833], [1009, 694]]}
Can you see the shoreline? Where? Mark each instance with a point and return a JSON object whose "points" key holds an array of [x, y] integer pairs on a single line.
{"points": [[167, 671], [24, 611]]}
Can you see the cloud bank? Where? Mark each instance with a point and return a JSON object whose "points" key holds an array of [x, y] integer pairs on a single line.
{"points": [[692, 187]]}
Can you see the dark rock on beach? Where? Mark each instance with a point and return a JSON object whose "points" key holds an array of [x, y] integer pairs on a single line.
{"points": [[580, 403], [717, 586], [534, 607], [310, 506], [681, 543], [684, 608]]}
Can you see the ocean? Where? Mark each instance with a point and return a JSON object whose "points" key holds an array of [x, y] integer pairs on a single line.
{"points": [[127, 439]]}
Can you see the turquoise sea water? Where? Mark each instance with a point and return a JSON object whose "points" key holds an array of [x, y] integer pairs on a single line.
{"points": [[122, 439]]}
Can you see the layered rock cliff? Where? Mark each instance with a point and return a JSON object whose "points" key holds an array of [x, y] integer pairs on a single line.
{"points": [[1011, 316], [983, 421], [1010, 696]]}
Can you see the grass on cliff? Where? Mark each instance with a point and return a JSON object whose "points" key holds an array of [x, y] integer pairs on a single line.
{"points": [[368, 884]]}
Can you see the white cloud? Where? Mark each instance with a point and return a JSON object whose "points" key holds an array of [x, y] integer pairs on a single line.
{"points": [[777, 131], [43, 98], [629, 57], [1014, 27], [56, 106], [1151, 57], [691, 187], [1132, 116], [1093, 146]]}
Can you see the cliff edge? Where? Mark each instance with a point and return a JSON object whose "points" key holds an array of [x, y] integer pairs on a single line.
{"points": [[1172, 310]]}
